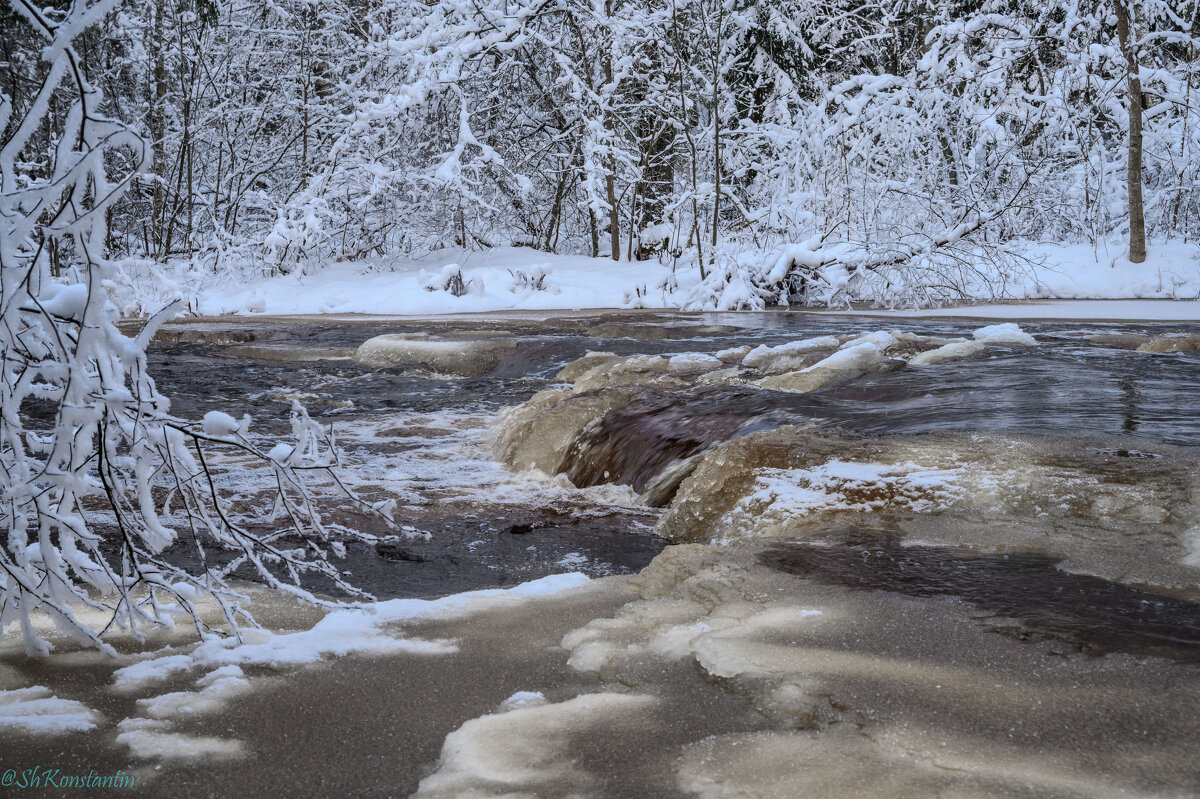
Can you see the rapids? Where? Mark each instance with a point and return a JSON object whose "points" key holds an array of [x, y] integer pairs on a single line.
{"points": [[835, 557]]}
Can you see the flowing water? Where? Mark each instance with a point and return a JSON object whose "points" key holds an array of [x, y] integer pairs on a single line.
{"points": [[888, 560], [424, 438]]}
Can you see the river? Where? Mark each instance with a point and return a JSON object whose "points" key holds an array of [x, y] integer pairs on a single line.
{"points": [[895, 559]]}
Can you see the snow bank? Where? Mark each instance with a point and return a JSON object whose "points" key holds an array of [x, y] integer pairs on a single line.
{"points": [[514, 278], [1097, 310], [505, 278]]}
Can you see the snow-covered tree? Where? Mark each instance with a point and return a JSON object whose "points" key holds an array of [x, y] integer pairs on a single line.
{"points": [[97, 479], [909, 141]]}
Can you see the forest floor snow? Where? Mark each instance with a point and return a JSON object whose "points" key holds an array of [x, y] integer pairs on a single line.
{"points": [[512, 278]]}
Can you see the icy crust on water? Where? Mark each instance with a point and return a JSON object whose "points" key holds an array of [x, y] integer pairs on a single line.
{"points": [[36, 711], [1127, 515], [425, 465], [374, 630], [480, 759], [875, 694], [371, 629]]}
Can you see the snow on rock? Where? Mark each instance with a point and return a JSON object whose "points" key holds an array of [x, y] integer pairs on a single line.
{"points": [[37, 711], [1006, 333], [733, 355], [762, 355], [850, 361], [132, 678], [880, 338], [462, 358], [217, 688], [955, 350], [522, 699], [693, 362], [592, 360], [842, 485]]}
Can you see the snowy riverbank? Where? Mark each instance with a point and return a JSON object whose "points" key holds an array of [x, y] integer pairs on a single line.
{"points": [[510, 278]]}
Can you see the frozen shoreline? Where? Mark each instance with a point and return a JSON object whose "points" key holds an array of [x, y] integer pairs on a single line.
{"points": [[1098, 310], [1187, 311], [508, 279]]}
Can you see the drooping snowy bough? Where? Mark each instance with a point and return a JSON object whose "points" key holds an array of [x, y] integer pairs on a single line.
{"points": [[91, 461]]}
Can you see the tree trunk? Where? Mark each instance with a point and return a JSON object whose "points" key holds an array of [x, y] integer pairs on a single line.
{"points": [[610, 182], [1126, 30], [718, 36], [158, 128], [614, 214]]}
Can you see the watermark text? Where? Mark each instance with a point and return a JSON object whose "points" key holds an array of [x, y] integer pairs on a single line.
{"points": [[42, 777]]}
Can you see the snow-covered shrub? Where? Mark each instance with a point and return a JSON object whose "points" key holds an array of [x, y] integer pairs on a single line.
{"points": [[536, 279], [97, 479], [450, 280]]}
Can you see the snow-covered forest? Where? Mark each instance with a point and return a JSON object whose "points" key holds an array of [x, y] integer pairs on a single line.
{"points": [[907, 151]]}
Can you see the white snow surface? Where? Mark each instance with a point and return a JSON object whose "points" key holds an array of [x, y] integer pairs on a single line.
{"points": [[151, 738], [1098, 310], [398, 287], [762, 353], [37, 711], [370, 630], [844, 485]]}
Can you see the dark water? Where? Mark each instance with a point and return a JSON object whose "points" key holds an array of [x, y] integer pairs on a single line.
{"points": [[1066, 385], [1037, 600]]}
